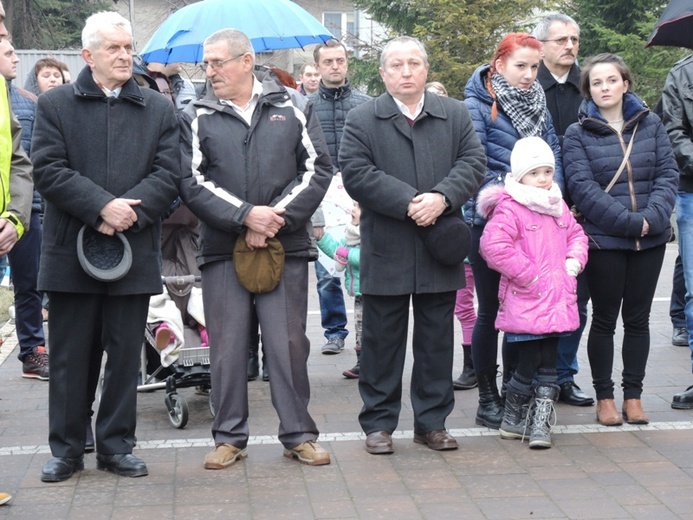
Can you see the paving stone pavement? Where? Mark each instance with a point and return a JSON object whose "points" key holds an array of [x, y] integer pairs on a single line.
{"points": [[591, 472]]}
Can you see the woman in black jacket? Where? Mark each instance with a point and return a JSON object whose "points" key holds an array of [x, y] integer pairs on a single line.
{"points": [[626, 218]]}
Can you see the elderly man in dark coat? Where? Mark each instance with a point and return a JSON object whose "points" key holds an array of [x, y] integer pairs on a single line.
{"points": [[411, 159], [105, 155]]}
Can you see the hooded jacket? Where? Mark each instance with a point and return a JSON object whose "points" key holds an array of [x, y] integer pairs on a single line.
{"points": [[646, 189], [498, 138], [536, 294], [280, 160]]}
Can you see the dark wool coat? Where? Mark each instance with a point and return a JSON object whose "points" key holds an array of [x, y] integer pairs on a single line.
{"points": [[562, 99], [499, 137], [87, 150], [385, 163], [646, 189]]}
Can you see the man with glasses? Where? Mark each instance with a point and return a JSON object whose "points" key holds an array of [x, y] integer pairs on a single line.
{"points": [[559, 76], [411, 184], [255, 168]]}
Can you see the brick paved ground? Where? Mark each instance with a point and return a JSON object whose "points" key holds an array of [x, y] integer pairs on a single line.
{"points": [[591, 472]]}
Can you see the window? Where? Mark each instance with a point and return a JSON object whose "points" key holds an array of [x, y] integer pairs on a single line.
{"points": [[341, 25]]}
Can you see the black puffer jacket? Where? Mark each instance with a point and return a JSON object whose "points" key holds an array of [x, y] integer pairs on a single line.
{"points": [[646, 189], [280, 160], [332, 105]]}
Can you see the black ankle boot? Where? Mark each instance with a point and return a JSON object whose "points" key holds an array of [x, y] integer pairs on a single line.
{"points": [[353, 373], [467, 379], [515, 417], [490, 410]]}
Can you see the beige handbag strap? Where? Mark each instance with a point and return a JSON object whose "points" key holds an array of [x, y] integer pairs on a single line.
{"points": [[625, 160]]}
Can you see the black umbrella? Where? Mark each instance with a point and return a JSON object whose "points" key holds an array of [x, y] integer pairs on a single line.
{"points": [[675, 26]]}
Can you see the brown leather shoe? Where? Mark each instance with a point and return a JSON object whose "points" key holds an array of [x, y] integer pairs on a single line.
{"points": [[379, 443], [607, 415], [633, 412], [437, 440]]}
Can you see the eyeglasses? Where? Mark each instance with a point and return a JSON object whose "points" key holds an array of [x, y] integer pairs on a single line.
{"points": [[564, 40], [217, 64]]}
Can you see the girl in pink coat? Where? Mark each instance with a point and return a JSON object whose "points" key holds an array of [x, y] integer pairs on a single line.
{"points": [[534, 242]]}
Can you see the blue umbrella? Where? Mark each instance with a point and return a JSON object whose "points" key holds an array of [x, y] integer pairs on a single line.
{"points": [[270, 25]]}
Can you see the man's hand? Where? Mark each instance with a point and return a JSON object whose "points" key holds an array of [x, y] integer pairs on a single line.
{"points": [[119, 215], [424, 209], [255, 240], [265, 220], [106, 229], [8, 236], [318, 232]]}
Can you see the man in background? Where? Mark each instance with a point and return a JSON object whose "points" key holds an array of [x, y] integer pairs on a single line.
{"points": [[333, 101], [559, 76]]}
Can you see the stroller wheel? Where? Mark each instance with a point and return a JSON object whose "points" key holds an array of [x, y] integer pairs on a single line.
{"points": [[212, 410], [177, 407]]}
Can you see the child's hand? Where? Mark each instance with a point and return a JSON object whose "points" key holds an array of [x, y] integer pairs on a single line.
{"points": [[341, 258], [572, 266]]}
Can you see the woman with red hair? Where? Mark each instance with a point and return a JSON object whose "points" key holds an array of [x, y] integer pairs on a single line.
{"points": [[506, 104]]}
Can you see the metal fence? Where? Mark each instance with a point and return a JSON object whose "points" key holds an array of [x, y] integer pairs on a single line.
{"points": [[28, 58]]}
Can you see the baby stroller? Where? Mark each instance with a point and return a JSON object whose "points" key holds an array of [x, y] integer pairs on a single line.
{"points": [[175, 353]]}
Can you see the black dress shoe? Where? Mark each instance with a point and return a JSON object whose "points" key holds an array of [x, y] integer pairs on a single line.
{"points": [[438, 440], [265, 372], [683, 400], [89, 445], [379, 443], [61, 468], [253, 368], [571, 394], [123, 464]]}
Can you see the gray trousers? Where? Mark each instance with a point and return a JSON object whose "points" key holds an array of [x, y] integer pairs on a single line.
{"points": [[282, 317]]}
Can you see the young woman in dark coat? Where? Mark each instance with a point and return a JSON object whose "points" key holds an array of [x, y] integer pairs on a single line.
{"points": [[627, 226]]}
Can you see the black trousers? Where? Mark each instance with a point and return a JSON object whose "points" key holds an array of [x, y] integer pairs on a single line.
{"points": [[80, 325], [383, 352], [625, 281]]}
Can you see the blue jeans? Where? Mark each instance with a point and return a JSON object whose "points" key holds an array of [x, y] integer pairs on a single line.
{"points": [[566, 360], [332, 307], [684, 221], [24, 261]]}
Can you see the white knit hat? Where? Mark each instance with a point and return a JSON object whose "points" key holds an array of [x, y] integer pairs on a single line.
{"points": [[529, 153]]}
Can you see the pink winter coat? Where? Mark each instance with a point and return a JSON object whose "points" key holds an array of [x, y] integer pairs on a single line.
{"points": [[536, 294]]}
